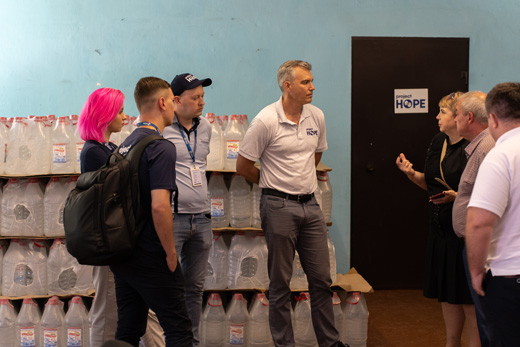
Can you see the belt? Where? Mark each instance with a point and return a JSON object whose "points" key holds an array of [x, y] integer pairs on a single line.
{"points": [[299, 198]]}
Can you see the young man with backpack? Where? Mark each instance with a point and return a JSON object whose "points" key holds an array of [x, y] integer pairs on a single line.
{"points": [[150, 277]]}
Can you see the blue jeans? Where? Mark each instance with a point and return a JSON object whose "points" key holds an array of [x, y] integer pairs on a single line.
{"points": [[288, 226], [192, 235]]}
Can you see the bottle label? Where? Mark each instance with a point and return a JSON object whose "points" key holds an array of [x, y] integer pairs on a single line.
{"points": [[217, 207], [59, 153], [232, 147], [50, 338], [74, 337], [79, 147], [28, 338], [236, 334]]}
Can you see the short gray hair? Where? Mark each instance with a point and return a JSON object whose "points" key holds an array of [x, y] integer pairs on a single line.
{"points": [[475, 102], [285, 71]]}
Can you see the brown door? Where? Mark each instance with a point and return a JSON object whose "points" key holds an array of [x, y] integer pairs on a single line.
{"points": [[389, 218]]}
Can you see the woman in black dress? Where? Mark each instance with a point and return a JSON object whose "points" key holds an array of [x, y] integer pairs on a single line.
{"points": [[444, 277]]}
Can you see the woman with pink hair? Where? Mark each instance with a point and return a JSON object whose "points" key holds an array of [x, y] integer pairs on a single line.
{"points": [[101, 115]]}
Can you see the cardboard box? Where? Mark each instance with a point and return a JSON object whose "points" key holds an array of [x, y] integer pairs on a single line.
{"points": [[352, 281]]}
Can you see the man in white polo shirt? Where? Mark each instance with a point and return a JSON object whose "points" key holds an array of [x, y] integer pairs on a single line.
{"points": [[493, 221], [288, 137]]}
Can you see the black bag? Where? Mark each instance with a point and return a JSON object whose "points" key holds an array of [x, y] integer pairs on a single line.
{"points": [[102, 216]]}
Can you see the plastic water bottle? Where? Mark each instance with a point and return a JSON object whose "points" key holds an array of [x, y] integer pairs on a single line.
{"points": [[224, 122], [233, 135], [298, 278], [218, 197], [245, 123], [326, 193], [304, 335], [10, 195], [355, 320], [25, 268], [260, 335], [237, 332], [53, 200], [2, 246], [213, 323], [332, 258], [63, 152], [28, 324], [40, 146], [76, 324], [215, 161], [78, 144], [259, 251], [237, 250], [216, 273], [53, 324], [338, 313], [239, 202], [3, 145], [18, 155], [248, 262], [28, 210], [7, 324], [126, 129], [65, 275], [256, 194]]}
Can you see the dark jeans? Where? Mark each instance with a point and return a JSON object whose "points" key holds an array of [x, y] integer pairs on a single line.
{"points": [[290, 225], [486, 340], [501, 304], [144, 281]]}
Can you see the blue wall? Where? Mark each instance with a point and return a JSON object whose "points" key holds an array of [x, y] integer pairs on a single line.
{"points": [[54, 53]]}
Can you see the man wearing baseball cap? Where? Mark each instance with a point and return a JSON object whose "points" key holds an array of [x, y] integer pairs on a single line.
{"points": [[191, 135]]}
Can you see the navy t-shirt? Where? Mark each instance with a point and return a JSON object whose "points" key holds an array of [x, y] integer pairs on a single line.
{"points": [[94, 155], [156, 171]]}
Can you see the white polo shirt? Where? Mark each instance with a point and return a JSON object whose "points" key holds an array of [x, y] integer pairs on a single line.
{"points": [[286, 150], [497, 189]]}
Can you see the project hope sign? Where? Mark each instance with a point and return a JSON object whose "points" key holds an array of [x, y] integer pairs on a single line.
{"points": [[410, 100]]}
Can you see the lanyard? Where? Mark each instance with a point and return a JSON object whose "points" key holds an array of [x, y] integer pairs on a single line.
{"points": [[192, 152], [140, 124]]}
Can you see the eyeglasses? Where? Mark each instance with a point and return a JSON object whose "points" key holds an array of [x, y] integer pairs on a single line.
{"points": [[452, 96]]}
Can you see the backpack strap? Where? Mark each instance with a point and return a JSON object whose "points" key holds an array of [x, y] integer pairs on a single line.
{"points": [[135, 152], [134, 157]]}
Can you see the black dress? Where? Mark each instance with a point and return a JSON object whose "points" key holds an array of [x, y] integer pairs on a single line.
{"points": [[444, 276]]}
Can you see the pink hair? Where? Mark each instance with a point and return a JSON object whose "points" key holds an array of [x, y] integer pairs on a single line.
{"points": [[100, 109]]}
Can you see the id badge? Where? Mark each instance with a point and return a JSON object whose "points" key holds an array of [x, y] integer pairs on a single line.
{"points": [[196, 178]]}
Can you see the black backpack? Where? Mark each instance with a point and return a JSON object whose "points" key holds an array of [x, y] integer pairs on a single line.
{"points": [[102, 216]]}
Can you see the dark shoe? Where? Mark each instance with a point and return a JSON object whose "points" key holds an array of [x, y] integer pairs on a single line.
{"points": [[341, 344]]}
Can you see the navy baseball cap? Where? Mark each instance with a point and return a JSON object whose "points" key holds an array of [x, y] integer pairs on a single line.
{"points": [[187, 81]]}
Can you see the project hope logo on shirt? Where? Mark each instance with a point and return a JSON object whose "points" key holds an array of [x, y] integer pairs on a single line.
{"points": [[312, 132]]}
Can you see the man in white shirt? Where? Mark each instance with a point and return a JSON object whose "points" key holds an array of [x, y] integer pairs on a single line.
{"points": [[493, 221], [288, 137]]}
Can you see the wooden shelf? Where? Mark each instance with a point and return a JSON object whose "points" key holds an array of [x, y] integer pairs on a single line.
{"points": [[320, 167]]}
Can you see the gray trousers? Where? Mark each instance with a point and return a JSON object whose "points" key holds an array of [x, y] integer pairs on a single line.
{"points": [[288, 226], [104, 307]]}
